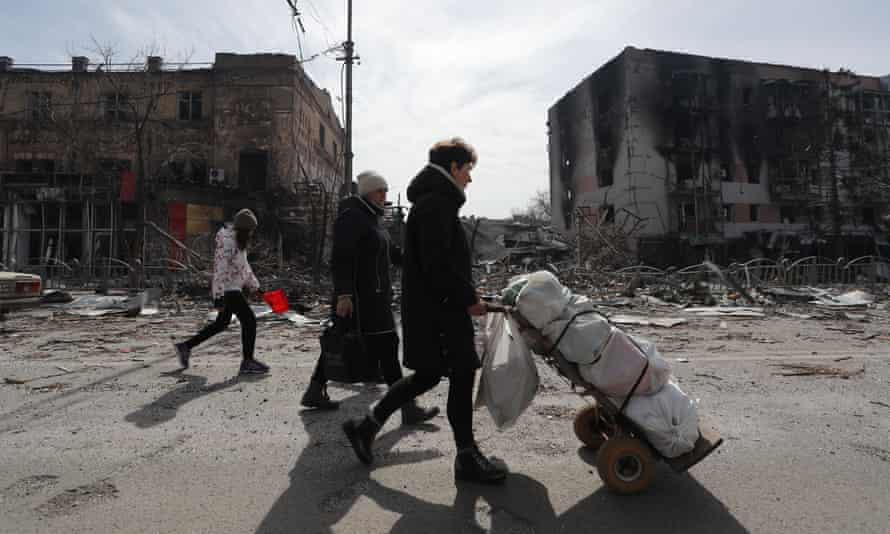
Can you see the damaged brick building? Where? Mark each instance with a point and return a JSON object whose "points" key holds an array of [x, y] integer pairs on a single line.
{"points": [[97, 163], [724, 158]]}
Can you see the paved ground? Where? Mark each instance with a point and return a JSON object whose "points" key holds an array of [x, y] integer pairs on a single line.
{"points": [[106, 436]]}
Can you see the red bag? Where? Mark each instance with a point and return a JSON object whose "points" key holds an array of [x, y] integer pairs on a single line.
{"points": [[276, 300]]}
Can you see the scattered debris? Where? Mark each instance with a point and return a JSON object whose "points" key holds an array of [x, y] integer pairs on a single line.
{"points": [[665, 322], [879, 403], [706, 375], [727, 311], [14, 381], [843, 358], [803, 369]]}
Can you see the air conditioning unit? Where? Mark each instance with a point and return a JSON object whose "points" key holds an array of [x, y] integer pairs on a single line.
{"points": [[217, 176]]}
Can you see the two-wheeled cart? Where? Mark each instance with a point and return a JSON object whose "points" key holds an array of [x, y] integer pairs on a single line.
{"points": [[625, 458]]}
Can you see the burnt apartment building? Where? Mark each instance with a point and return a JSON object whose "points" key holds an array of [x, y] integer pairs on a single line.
{"points": [[724, 158], [98, 162]]}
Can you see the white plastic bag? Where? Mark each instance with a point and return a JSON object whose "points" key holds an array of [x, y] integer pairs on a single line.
{"points": [[543, 299], [509, 378], [585, 336], [620, 363], [669, 418]]}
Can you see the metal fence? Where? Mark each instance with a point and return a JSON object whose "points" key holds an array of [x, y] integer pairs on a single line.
{"points": [[763, 272]]}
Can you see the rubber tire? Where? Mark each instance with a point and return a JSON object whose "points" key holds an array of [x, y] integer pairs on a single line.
{"points": [[587, 427], [620, 449]]}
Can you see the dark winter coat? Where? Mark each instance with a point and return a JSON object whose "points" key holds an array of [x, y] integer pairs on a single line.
{"points": [[360, 264], [437, 279]]}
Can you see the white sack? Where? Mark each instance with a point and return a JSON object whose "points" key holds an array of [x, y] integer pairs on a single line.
{"points": [[583, 340], [669, 418], [621, 363], [509, 378], [543, 299]]}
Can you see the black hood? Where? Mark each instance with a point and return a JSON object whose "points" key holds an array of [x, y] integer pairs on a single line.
{"points": [[357, 202], [431, 181]]}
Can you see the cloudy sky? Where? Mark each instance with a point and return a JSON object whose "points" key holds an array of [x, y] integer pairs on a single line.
{"points": [[486, 70]]}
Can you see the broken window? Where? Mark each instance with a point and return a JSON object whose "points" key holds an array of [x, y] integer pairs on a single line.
{"points": [[747, 93], [687, 216], [725, 175], [189, 105], [321, 134], [334, 148], [685, 169], [102, 217], [607, 212], [755, 213], [753, 168], [788, 214], [727, 212], [39, 105], [24, 165], [114, 106], [868, 216]]}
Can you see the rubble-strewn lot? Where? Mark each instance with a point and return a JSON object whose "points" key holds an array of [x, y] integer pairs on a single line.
{"points": [[101, 433]]}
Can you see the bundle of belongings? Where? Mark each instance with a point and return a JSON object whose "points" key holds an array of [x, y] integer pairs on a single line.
{"points": [[614, 362]]}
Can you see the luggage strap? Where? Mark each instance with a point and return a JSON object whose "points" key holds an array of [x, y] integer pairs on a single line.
{"points": [[566, 329]]}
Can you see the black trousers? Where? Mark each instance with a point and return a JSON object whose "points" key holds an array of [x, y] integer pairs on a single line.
{"points": [[460, 400], [233, 302], [384, 347]]}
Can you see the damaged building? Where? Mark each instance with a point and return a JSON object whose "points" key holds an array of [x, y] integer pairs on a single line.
{"points": [[726, 159], [104, 164]]}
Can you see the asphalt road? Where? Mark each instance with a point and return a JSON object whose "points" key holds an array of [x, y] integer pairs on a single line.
{"points": [[105, 436]]}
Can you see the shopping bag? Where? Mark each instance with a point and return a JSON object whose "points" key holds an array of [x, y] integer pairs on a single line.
{"points": [[509, 378], [344, 358]]}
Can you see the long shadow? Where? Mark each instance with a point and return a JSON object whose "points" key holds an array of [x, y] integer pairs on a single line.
{"points": [[327, 479], [675, 503], [166, 407]]}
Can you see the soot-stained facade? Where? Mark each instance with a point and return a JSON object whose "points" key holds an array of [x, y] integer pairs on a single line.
{"points": [[721, 157]]}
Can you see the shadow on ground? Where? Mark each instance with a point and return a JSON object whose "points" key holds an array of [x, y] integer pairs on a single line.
{"points": [[190, 387], [327, 481]]}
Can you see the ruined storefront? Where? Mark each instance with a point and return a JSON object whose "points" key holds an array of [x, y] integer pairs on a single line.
{"points": [[101, 166]]}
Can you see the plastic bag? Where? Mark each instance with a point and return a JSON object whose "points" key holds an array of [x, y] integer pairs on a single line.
{"points": [[669, 418], [543, 299], [620, 363], [509, 378], [586, 335]]}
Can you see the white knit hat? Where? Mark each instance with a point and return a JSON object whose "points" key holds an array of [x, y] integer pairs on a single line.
{"points": [[370, 181]]}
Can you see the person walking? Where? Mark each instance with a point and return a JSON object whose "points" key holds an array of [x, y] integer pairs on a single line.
{"points": [[361, 261], [439, 300], [232, 279]]}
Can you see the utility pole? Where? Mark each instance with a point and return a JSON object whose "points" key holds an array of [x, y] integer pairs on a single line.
{"points": [[348, 47]]}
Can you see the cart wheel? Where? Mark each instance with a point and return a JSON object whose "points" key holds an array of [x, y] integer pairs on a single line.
{"points": [[625, 465], [587, 427]]}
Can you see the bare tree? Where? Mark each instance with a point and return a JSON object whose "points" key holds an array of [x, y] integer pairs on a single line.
{"points": [[537, 211]]}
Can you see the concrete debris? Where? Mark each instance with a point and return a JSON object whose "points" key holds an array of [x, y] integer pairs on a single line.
{"points": [[803, 369], [664, 322]]}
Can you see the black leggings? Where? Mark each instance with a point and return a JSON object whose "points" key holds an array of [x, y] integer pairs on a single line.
{"points": [[233, 303], [460, 400], [384, 347]]}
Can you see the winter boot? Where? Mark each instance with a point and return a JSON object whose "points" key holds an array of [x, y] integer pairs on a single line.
{"points": [[317, 397], [471, 466], [412, 414], [361, 435]]}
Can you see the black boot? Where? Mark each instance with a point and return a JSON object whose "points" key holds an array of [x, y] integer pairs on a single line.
{"points": [[317, 397], [412, 414], [361, 435], [471, 466]]}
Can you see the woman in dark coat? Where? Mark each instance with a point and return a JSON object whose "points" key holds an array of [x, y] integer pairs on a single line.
{"points": [[438, 300], [360, 264]]}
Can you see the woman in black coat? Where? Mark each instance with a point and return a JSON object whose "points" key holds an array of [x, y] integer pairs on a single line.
{"points": [[360, 265], [439, 299]]}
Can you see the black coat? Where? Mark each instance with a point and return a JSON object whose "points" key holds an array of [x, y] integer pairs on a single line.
{"points": [[437, 279], [360, 264]]}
